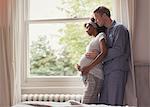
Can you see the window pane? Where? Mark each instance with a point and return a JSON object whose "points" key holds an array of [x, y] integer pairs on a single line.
{"points": [[54, 9], [56, 48]]}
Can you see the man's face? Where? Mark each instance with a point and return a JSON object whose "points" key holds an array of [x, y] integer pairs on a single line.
{"points": [[99, 19]]}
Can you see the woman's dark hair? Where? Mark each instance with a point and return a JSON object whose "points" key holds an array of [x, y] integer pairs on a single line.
{"points": [[99, 29]]}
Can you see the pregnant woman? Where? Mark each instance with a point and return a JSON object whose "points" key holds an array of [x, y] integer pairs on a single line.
{"points": [[93, 77]]}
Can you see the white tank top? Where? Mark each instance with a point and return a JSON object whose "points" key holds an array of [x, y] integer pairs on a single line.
{"points": [[93, 45]]}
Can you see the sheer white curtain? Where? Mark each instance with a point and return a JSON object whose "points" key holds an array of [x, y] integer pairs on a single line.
{"points": [[124, 12], [11, 18]]}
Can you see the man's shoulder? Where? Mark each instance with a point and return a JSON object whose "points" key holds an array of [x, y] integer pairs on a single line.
{"points": [[119, 26]]}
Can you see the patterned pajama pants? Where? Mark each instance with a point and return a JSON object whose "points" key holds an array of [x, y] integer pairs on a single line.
{"points": [[92, 89]]}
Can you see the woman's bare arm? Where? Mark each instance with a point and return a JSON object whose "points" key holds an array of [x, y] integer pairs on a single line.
{"points": [[98, 58]]}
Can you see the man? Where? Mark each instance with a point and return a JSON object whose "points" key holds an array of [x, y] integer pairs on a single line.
{"points": [[116, 63]]}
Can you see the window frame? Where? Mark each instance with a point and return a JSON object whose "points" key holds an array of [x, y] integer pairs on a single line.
{"points": [[29, 84], [46, 84]]}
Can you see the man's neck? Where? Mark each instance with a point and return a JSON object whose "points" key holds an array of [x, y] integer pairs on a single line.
{"points": [[108, 23]]}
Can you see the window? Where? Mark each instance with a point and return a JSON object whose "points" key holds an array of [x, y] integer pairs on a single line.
{"points": [[55, 41]]}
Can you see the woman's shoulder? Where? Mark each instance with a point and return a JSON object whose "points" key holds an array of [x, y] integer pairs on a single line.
{"points": [[101, 35]]}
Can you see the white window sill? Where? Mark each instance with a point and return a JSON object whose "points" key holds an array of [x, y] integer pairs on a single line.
{"points": [[53, 85]]}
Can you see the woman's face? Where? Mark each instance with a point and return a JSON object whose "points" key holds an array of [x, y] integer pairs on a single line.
{"points": [[89, 30]]}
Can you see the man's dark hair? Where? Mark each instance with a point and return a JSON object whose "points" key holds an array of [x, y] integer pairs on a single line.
{"points": [[102, 10]]}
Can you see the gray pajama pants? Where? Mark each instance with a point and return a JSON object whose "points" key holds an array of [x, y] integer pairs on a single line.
{"points": [[92, 89], [113, 89]]}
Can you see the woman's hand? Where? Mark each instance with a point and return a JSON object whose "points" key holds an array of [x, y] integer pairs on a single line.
{"points": [[77, 67], [85, 70]]}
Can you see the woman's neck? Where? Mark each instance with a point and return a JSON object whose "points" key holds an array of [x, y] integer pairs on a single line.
{"points": [[95, 34]]}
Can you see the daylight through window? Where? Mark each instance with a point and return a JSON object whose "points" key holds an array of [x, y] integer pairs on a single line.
{"points": [[57, 37]]}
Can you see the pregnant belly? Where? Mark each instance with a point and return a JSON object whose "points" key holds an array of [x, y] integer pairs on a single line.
{"points": [[84, 61]]}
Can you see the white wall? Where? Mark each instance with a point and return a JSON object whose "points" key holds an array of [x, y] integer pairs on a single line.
{"points": [[142, 33], [142, 52]]}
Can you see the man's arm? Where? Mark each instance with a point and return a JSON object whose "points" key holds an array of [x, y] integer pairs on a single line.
{"points": [[118, 45]]}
